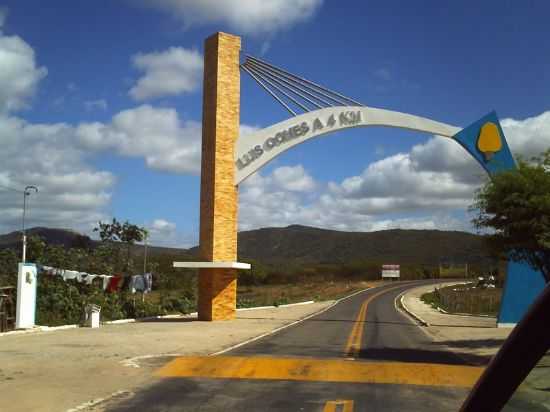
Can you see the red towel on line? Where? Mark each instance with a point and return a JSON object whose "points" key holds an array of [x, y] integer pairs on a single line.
{"points": [[113, 283]]}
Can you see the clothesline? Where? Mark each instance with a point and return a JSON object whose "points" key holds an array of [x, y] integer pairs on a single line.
{"points": [[111, 283]]}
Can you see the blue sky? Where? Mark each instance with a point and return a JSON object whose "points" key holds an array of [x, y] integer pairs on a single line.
{"points": [[100, 106]]}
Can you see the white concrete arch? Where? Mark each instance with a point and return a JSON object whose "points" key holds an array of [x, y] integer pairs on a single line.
{"points": [[255, 150]]}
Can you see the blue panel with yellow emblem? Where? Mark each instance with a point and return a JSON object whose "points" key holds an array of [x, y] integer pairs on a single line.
{"points": [[485, 141]]}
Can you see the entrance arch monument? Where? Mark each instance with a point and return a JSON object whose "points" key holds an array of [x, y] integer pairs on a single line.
{"points": [[228, 159]]}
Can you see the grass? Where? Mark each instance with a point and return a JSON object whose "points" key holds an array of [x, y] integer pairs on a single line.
{"points": [[281, 294], [465, 299]]}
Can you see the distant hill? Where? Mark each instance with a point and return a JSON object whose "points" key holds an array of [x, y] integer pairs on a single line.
{"points": [[312, 245], [64, 237], [303, 244], [70, 238]]}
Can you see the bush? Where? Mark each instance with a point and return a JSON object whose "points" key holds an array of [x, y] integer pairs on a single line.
{"points": [[58, 302], [181, 304], [63, 302]]}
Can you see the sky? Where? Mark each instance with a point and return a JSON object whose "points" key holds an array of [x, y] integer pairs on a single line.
{"points": [[100, 108]]}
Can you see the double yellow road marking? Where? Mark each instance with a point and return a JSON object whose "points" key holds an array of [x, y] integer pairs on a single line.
{"points": [[353, 344]]}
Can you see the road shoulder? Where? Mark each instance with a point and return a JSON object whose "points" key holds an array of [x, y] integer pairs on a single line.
{"points": [[475, 338]]}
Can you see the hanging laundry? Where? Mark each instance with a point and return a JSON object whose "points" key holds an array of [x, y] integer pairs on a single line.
{"points": [[148, 278], [106, 281], [45, 270], [89, 279], [126, 284], [70, 274], [48, 270], [113, 283], [137, 284]]}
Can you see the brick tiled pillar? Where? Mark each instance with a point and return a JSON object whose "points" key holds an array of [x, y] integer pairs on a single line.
{"points": [[219, 197]]}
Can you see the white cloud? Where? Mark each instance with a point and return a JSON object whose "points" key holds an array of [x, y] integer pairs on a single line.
{"points": [[263, 202], [244, 16], [100, 104], [157, 135], [20, 74], [71, 193], [294, 179], [528, 137], [167, 73], [161, 232], [162, 225]]}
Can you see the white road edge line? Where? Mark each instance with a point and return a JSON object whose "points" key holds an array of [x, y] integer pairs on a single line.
{"points": [[132, 362], [95, 402]]}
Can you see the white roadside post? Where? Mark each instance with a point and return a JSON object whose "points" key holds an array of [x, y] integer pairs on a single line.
{"points": [[26, 296], [26, 279]]}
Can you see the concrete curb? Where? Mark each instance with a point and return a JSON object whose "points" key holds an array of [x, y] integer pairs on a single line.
{"points": [[309, 302], [133, 320], [192, 314], [38, 329], [410, 312]]}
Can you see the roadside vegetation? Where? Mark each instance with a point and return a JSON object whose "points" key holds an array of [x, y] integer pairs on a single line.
{"points": [[465, 299], [515, 207], [175, 290]]}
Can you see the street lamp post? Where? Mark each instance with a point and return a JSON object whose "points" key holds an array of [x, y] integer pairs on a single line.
{"points": [[26, 193], [145, 256]]}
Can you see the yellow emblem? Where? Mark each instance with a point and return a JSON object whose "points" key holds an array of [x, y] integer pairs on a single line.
{"points": [[489, 141]]}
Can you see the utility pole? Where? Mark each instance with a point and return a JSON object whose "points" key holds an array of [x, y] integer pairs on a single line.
{"points": [[26, 193], [145, 257]]}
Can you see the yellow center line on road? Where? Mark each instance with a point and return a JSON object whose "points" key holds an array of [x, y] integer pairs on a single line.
{"points": [[353, 344], [321, 370], [346, 406]]}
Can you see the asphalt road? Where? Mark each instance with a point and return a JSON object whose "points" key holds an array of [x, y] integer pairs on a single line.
{"points": [[362, 354]]}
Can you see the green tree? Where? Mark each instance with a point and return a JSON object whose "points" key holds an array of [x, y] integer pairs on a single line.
{"points": [[515, 205], [8, 267], [115, 233]]}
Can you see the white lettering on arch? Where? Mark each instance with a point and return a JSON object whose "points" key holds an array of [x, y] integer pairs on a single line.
{"points": [[255, 150]]}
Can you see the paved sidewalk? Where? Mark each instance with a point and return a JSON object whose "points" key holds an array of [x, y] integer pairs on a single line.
{"points": [[60, 370], [476, 338]]}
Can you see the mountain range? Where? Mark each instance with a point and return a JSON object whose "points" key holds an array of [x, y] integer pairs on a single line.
{"points": [[302, 244]]}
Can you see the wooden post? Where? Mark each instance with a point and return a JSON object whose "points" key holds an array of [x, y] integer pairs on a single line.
{"points": [[219, 196]]}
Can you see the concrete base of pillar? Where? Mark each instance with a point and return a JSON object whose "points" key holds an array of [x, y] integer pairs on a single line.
{"points": [[217, 294]]}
